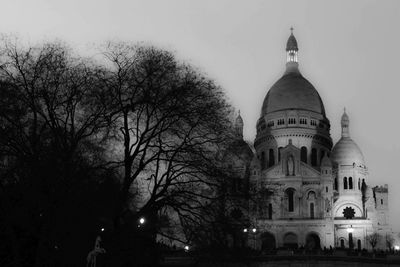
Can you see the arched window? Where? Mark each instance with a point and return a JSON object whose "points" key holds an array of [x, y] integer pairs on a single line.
{"points": [[350, 183], [279, 153], [270, 211], [336, 183], [262, 160], [322, 154], [312, 210], [271, 158], [342, 243], [345, 183], [290, 196], [359, 244], [303, 154], [314, 157]]}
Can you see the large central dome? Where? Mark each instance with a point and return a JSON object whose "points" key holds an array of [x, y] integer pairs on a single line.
{"points": [[292, 91], [292, 113]]}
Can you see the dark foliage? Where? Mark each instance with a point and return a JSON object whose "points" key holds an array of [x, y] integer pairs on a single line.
{"points": [[85, 146]]}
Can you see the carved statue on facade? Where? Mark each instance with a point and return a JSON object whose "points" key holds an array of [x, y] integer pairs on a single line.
{"points": [[327, 205], [290, 165]]}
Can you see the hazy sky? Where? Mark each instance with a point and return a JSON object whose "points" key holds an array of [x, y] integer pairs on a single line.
{"points": [[349, 50]]}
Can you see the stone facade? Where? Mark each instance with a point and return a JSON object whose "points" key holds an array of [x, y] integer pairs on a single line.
{"points": [[308, 192]]}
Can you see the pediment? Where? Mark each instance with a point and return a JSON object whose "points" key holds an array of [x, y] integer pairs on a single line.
{"points": [[308, 171], [280, 170], [275, 172], [290, 165]]}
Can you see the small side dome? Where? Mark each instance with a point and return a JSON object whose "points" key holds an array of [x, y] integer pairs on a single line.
{"points": [[326, 162], [346, 151], [241, 149]]}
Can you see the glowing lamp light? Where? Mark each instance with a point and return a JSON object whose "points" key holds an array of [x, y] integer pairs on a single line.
{"points": [[142, 220], [102, 229], [245, 230], [186, 248], [397, 248], [254, 230], [350, 230]]}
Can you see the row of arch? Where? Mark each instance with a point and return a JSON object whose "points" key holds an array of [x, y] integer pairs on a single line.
{"points": [[303, 157], [315, 138], [342, 243], [290, 240], [347, 183]]}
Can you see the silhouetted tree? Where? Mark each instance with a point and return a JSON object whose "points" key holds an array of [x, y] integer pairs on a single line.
{"points": [[373, 239], [169, 123], [50, 140], [389, 241], [83, 142]]}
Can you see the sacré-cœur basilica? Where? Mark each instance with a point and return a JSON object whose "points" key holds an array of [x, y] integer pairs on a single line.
{"points": [[311, 193]]}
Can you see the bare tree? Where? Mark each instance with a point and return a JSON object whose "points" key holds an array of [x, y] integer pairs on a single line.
{"points": [[373, 239], [389, 241], [155, 123], [170, 122], [49, 126]]}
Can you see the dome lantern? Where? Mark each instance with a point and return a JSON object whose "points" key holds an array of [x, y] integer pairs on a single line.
{"points": [[292, 91], [239, 125], [345, 124], [291, 53]]}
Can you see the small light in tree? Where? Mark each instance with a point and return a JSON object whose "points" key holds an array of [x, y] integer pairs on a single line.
{"points": [[102, 229], [254, 230], [142, 220], [245, 230], [397, 248], [186, 248]]}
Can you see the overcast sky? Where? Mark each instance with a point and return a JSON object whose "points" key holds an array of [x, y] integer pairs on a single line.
{"points": [[349, 50]]}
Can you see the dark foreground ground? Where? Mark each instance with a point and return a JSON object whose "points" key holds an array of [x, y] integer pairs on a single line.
{"points": [[295, 261], [339, 258]]}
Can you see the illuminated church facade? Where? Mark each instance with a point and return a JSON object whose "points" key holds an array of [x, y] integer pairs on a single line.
{"points": [[306, 191]]}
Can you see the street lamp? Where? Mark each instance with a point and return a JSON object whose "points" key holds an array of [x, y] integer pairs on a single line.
{"points": [[397, 248], [254, 231], [142, 221], [186, 248], [350, 231]]}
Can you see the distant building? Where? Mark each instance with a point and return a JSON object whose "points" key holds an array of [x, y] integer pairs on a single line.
{"points": [[306, 191]]}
